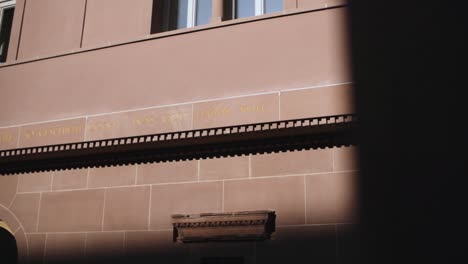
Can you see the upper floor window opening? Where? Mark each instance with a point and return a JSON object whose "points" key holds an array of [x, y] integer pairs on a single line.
{"points": [[175, 14], [7, 10], [246, 8]]}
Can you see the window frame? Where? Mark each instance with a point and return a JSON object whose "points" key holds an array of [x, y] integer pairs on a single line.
{"points": [[192, 13], [165, 15], [5, 4], [259, 9]]}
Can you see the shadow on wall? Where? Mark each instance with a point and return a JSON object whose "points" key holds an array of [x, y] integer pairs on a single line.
{"points": [[318, 244]]}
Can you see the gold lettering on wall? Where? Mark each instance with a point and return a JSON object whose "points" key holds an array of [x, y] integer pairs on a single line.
{"points": [[52, 132], [215, 112], [221, 112], [145, 120], [253, 108], [173, 118], [6, 138], [142, 121], [101, 125]]}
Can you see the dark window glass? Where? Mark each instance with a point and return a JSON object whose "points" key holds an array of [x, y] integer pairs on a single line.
{"points": [[173, 14], [6, 22], [228, 10], [203, 12], [245, 8], [273, 6], [164, 16], [168, 15]]}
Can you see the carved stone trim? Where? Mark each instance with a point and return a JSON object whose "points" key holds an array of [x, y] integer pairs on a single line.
{"points": [[267, 137], [233, 226]]}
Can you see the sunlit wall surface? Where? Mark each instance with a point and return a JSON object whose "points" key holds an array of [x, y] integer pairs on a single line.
{"points": [[86, 70]]}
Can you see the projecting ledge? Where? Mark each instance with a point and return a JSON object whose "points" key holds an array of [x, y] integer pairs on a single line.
{"points": [[234, 226]]}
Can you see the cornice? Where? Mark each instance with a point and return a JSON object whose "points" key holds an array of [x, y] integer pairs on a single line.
{"points": [[257, 138]]}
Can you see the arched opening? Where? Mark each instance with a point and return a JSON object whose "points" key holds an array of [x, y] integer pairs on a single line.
{"points": [[7, 244]]}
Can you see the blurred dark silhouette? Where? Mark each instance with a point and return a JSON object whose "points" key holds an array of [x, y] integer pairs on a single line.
{"points": [[408, 74]]}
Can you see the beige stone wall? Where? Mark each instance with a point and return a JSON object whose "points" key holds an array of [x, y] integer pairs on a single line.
{"points": [[225, 60], [123, 210], [231, 75], [52, 27], [269, 106]]}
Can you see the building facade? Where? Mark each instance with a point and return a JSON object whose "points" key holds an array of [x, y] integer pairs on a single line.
{"points": [[81, 70]]}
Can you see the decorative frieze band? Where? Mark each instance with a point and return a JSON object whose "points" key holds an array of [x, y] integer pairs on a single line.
{"points": [[267, 137]]}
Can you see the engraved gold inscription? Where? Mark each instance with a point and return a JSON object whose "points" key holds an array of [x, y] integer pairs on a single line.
{"points": [[174, 117], [145, 120], [6, 138], [253, 108], [220, 112], [165, 118], [55, 131], [101, 125], [214, 113], [141, 121]]}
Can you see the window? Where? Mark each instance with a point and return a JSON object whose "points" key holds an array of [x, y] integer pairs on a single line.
{"points": [[7, 9], [245, 8], [174, 14]]}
